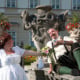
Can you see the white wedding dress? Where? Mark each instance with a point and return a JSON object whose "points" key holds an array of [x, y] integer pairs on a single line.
{"points": [[10, 68]]}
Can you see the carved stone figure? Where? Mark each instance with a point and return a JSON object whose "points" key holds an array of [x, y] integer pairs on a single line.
{"points": [[41, 21]]}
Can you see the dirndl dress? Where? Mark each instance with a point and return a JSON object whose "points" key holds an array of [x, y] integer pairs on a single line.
{"points": [[10, 68]]}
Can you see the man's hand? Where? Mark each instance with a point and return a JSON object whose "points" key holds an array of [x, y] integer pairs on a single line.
{"points": [[59, 42], [49, 71]]}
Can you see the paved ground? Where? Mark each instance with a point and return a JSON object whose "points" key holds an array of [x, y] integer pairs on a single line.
{"points": [[30, 67], [33, 66], [62, 77]]}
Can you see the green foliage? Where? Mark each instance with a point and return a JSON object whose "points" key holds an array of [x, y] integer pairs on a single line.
{"points": [[28, 47], [3, 17], [33, 48], [29, 59], [75, 17]]}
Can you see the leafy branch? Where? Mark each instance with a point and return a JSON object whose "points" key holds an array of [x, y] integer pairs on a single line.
{"points": [[75, 18], [3, 17]]}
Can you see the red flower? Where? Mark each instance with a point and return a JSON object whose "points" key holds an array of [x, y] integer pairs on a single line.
{"points": [[76, 25], [24, 57], [70, 26], [30, 56], [6, 25], [1, 23]]}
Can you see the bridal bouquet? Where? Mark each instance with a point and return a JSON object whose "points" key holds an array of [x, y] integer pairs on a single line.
{"points": [[46, 51]]}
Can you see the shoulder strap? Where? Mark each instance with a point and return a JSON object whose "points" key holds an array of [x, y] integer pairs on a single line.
{"points": [[54, 51], [66, 48]]}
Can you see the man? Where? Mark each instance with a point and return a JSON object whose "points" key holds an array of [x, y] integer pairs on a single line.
{"points": [[66, 65]]}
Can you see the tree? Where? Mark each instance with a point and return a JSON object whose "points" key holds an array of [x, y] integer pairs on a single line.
{"points": [[75, 18], [3, 17]]}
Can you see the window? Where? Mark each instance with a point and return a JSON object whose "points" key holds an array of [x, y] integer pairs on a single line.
{"points": [[33, 3], [11, 3], [55, 4], [76, 4], [30, 39], [13, 34]]}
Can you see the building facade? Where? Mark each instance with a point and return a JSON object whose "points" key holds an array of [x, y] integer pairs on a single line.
{"points": [[13, 8]]}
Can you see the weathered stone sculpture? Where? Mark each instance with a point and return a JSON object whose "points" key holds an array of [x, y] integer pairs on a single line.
{"points": [[40, 22]]}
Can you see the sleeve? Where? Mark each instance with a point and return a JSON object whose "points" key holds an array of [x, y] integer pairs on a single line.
{"points": [[49, 44], [49, 60], [0, 63], [66, 38], [19, 50]]}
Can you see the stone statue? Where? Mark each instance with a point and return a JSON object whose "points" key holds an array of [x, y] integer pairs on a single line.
{"points": [[41, 21]]}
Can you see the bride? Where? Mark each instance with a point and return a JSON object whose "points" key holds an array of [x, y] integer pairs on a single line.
{"points": [[10, 56]]}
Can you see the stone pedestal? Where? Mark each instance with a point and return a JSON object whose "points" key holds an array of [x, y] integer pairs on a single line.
{"points": [[66, 77], [39, 75], [35, 74], [43, 75]]}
